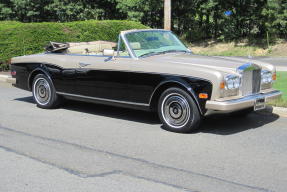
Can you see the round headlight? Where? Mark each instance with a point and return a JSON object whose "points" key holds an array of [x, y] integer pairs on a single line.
{"points": [[232, 82], [266, 76], [229, 84]]}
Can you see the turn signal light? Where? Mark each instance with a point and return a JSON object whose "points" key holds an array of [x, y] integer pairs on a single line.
{"points": [[203, 95], [222, 85], [274, 77]]}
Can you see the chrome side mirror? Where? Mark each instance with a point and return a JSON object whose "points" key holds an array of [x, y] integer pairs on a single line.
{"points": [[109, 52]]}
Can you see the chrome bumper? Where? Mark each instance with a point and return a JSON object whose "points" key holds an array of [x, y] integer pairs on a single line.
{"points": [[241, 103]]}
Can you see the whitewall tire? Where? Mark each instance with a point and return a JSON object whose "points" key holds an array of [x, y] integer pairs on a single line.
{"points": [[44, 92], [177, 111]]}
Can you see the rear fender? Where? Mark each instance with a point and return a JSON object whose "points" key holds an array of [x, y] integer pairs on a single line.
{"points": [[39, 70]]}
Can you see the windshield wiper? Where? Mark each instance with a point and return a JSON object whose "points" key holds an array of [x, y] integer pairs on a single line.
{"points": [[162, 52], [171, 51], [150, 53]]}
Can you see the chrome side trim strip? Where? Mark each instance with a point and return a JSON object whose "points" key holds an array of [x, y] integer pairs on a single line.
{"points": [[103, 99]]}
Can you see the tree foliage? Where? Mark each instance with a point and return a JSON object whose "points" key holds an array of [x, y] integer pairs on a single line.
{"points": [[192, 19]]}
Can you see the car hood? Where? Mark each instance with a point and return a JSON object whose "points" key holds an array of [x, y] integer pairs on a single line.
{"points": [[217, 63]]}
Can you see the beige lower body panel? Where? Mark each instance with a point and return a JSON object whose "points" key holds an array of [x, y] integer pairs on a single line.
{"points": [[241, 103]]}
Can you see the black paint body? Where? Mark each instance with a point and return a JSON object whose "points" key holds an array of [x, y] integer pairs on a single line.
{"points": [[139, 90]]}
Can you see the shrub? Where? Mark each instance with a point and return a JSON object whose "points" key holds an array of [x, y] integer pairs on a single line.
{"points": [[18, 39], [4, 67]]}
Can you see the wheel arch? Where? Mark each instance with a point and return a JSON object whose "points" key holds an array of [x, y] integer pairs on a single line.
{"points": [[168, 84], [33, 74]]}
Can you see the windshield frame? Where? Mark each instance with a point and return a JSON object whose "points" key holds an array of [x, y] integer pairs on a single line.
{"points": [[131, 51]]}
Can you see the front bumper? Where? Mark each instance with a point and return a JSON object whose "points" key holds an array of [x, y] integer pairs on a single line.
{"points": [[241, 103]]}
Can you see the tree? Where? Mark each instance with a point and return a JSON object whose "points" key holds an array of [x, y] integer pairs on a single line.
{"points": [[167, 14], [191, 19], [5, 12], [67, 10], [275, 18]]}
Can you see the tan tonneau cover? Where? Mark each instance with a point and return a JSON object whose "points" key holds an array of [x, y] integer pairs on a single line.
{"points": [[85, 48]]}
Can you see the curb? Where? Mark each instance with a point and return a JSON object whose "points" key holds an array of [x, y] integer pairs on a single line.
{"points": [[7, 79], [281, 111]]}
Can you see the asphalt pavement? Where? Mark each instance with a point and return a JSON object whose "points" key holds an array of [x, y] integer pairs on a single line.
{"points": [[88, 147], [279, 62]]}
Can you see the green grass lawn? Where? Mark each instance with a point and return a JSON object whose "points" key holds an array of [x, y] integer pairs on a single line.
{"points": [[281, 84], [241, 48]]}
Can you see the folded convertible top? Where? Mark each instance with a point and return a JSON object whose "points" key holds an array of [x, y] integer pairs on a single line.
{"points": [[79, 47], [54, 47]]}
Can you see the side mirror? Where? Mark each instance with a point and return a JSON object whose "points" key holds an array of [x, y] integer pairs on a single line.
{"points": [[108, 52]]}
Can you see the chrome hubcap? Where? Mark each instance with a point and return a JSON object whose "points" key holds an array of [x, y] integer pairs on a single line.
{"points": [[175, 110], [42, 91]]}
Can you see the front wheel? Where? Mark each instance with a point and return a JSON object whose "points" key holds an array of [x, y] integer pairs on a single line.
{"points": [[177, 111], [44, 92]]}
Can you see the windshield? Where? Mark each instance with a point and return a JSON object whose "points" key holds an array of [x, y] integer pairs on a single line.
{"points": [[145, 43]]}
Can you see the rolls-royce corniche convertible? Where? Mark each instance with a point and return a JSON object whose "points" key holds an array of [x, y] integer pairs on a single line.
{"points": [[147, 70]]}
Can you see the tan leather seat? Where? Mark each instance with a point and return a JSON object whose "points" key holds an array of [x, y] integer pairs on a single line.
{"points": [[88, 48]]}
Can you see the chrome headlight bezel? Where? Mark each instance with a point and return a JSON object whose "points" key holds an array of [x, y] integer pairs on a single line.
{"points": [[232, 84], [266, 79]]}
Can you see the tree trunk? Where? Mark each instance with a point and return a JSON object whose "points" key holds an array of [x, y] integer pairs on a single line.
{"points": [[167, 14]]}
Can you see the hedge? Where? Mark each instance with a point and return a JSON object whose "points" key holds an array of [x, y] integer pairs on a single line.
{"points": [[18, 39]]}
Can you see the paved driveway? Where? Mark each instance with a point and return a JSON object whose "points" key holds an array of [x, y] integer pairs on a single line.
{"points": [[87, 147], [279, 62]]}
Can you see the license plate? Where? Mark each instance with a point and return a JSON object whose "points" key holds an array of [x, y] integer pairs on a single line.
{"points": [[259, 104]]}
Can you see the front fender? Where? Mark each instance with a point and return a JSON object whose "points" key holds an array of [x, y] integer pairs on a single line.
{"points": [[193, 86]]}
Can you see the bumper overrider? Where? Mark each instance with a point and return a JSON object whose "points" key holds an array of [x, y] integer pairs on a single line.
{"points": [[241, 103]]}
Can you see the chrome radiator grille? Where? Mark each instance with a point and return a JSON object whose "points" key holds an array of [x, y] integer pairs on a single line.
{"points": [[251, 81]]}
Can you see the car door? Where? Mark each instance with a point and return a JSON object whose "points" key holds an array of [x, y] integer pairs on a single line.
{"points": [[103, 78]]}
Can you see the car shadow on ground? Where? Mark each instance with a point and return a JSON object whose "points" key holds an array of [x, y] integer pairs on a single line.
{"points": [[28, 99], [227, 124], [104, 110], [221, 124], [113, 112]]}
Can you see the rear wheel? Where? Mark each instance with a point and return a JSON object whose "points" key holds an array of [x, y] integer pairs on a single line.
{"points": [[177, 111], [44, 92]]}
